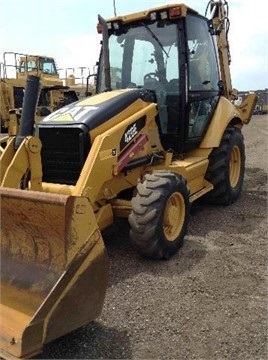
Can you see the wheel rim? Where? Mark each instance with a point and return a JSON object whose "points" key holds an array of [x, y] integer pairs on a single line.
{"points": [[235, 166], [174, 216]]}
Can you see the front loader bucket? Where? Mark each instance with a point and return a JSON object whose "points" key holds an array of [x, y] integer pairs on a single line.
{"points": [[54, 269]]}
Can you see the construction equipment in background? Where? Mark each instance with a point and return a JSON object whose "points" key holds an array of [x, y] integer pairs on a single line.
{"points": [[161, 132], [13, 74]]}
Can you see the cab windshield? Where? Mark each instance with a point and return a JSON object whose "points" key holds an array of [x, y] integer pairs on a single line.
{"points": [[46, 65], [144, 55]]}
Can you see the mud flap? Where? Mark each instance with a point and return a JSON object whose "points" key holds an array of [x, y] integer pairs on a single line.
{"points": [[54, 269]]}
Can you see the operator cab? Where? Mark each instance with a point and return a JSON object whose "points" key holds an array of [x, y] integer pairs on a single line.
{"points": [[172, 54], [37, 63]]}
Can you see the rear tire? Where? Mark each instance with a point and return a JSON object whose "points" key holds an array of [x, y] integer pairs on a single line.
{"points": [[160, 214], [226, 168]]}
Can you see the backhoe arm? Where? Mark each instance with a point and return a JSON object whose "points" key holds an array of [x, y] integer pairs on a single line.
{"points": [[219, 26]]}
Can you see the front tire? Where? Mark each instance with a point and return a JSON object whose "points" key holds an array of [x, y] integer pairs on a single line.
{"points": [[226, 168], [160, 214]]}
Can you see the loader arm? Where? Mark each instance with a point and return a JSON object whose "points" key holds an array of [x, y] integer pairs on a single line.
{"points": [[16, 163]]}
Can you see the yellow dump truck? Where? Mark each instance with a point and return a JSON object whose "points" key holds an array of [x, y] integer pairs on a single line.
{"points": [[161, 132], [13, 74]]}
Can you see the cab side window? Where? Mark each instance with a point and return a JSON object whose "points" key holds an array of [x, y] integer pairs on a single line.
{"points": [[203, 67]]}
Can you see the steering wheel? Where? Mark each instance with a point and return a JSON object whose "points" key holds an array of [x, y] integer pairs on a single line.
{"points": [[156, 82], [156, 76], [151, 75]]}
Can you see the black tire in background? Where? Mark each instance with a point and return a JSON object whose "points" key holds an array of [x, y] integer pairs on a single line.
{"points": [[160, 214], [226, 168]]}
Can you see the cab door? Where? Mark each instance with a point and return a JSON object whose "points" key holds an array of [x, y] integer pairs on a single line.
{"points": [[203, 80]]}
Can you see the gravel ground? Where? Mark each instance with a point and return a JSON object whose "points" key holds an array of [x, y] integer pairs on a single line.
{"points": [[207, 302]]}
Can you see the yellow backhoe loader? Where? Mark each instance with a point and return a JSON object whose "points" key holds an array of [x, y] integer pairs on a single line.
{"points": [[161, 132]]}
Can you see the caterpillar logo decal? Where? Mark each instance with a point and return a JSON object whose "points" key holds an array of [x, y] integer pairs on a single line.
{"points": [[70, 113], [131, 131]]}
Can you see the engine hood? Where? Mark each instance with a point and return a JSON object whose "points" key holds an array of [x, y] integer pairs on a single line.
{"points": [[95, 110]]}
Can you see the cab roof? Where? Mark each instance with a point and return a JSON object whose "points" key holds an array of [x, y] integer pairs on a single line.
{"points": [[184, 9]]}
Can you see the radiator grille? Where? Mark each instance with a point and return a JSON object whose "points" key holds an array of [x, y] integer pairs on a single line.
{"points": [[64, 151]]}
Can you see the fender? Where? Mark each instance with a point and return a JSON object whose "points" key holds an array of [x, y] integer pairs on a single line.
{"points": [[224, 113]]}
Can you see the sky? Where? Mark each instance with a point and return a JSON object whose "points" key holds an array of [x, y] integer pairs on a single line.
{"points": [[66, 31]]}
